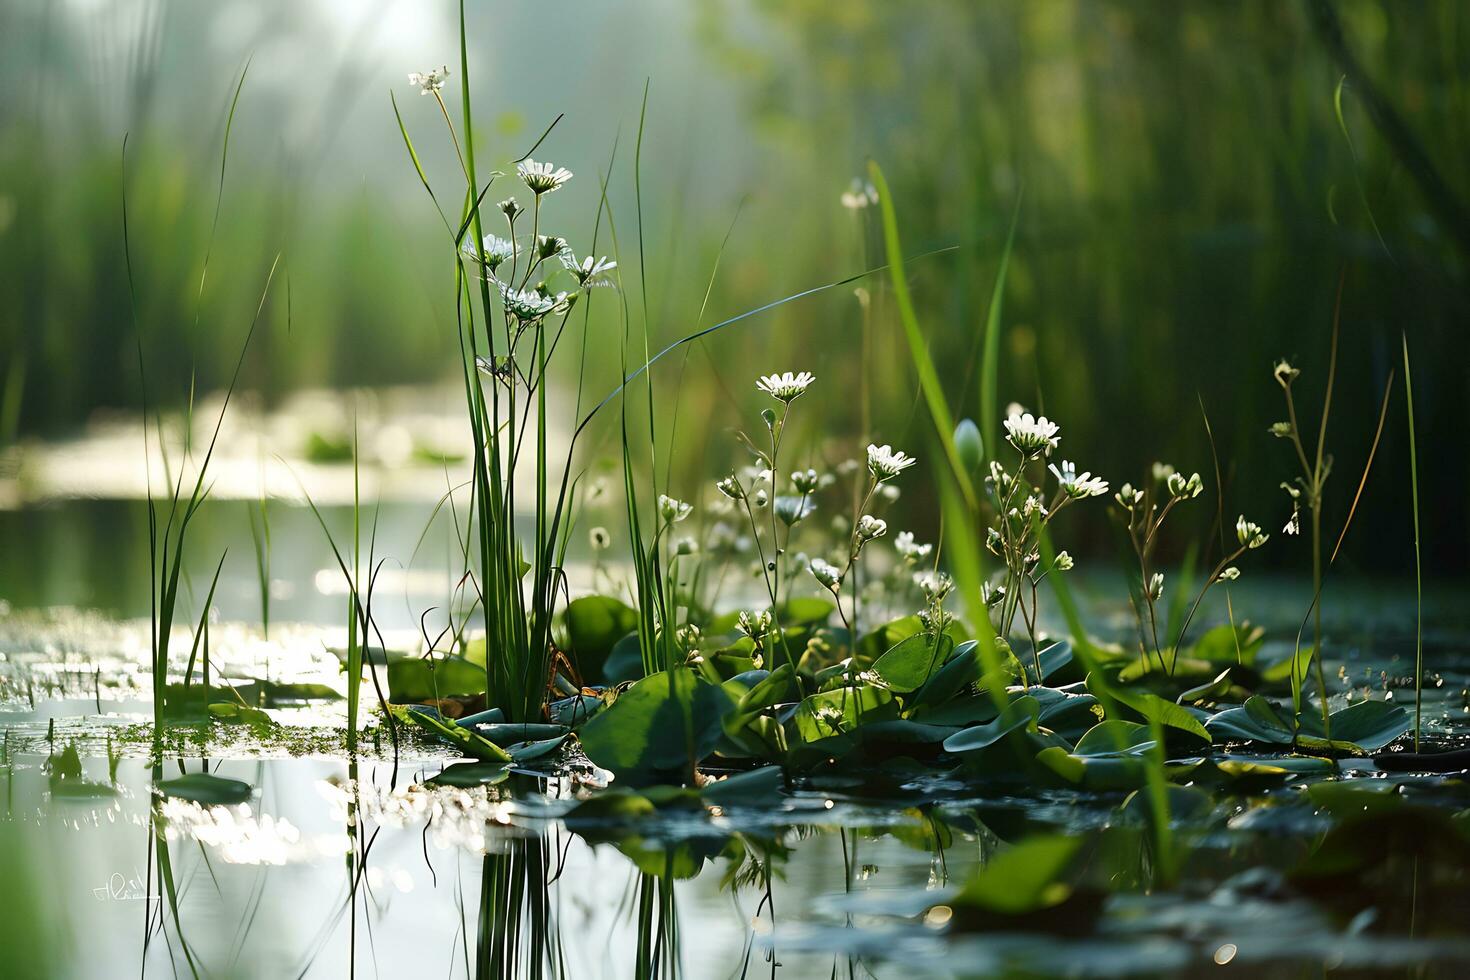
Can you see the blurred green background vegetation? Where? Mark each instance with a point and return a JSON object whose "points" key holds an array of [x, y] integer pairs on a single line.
{"points": [[1188, 202]]}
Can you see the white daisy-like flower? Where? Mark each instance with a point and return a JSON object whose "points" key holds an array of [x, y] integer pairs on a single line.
{"points": [[589, 271], [793, 508], [859, 194], [911, 550], [672, 509], [1031, 435], [1077, 487], [870, 527], [494, 252], [1249, 534], [785, 387], [527, 305], [826, 573], [431, 81], [885, 462], [542, 178], [934, 585]]}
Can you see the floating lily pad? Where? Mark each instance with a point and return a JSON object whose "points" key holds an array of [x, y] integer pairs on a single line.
{"points": [[432, 678], [468, 775], [595, 624], [1020, 713], [667, 721]]}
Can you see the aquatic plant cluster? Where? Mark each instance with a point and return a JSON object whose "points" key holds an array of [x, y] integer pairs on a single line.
{"points": [[780, 627]]}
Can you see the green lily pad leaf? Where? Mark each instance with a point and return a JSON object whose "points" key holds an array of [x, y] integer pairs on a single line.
{"points": [[616, 805], [1098, 774], [1054, 658], [841, 711], [1212, 690], [1254, 721], [574, 710], [529, 751], [206, 789], [1066, 712], [1167, 713], [232, 713], [595, 623], [624, 662], [667, 721], [464, 739], [873, 645], [902, 731], [1370, 725], [1184, 803], [1115, 737], [1226, 644], [428, 679], [1025, 877], [759, 786], [965, 666], [912, 661], [468, 775], [776, 687], [1020, 713], [1294, 666]]}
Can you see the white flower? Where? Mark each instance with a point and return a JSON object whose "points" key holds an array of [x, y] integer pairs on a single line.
{"points": [[1127, 497], [1230, 574], [934, 585], [785, 387], [826, 573], [688, 637], [792, 509], [805, 481], [1285, 373], [1294, 525], [549, 245], [1162, 472], [542, 178], [510, 207], [754, 625], [911, 550], [1281, 430], [1064, 562], [685, 545], [600, 538], [673, 510], [1249, 534], [730, 487], [1156, 586], [589, 271], [496, 251], [431, 81], [1184, 489], [885, 463], [860, 194], [527, 305], [1077, 487], [1032, 436], [870, 527]]}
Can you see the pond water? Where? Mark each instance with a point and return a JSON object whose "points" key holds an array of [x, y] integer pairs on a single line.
{"points": [[333, 868]]}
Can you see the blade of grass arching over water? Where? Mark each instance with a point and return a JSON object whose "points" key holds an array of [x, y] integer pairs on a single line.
{"points": [[990, 362], [1418, 570], [219, 198], [918, 345]]}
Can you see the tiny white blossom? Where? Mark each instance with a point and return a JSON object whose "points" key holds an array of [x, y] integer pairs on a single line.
{"points": [[673, 510], [885, 463], [805, 481], [600, 538], [794, 508], [430, 81], [495, 251], [754, 625], [1285, 373], [527, 305], [589, 271], [1156, 586], [1077, 487], [730, 487], [826, 573], [1127, 497], [1064, 562], [934, 585], [785, 387], [542, 178], [911, 550], [860, 194], [685, 545], [1294, 524], [1184, 488], [1230, 574], [1249, 534], [1032, 436], [870, 527]]}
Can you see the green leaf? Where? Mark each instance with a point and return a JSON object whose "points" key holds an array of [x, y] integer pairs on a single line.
{"points": [[1114, 737], [411, 681], [1370, 725], [1220, 645], [464, 739], [595, 624], [1254, 721], [206, 789], [1209, 691], [840, 711], [803, 611], [1020, 713], [1097, 774], [1154, 708], [468, 775], [1023, 878], [233, 713], [667, 721], [912, 661], [759, 786]]}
